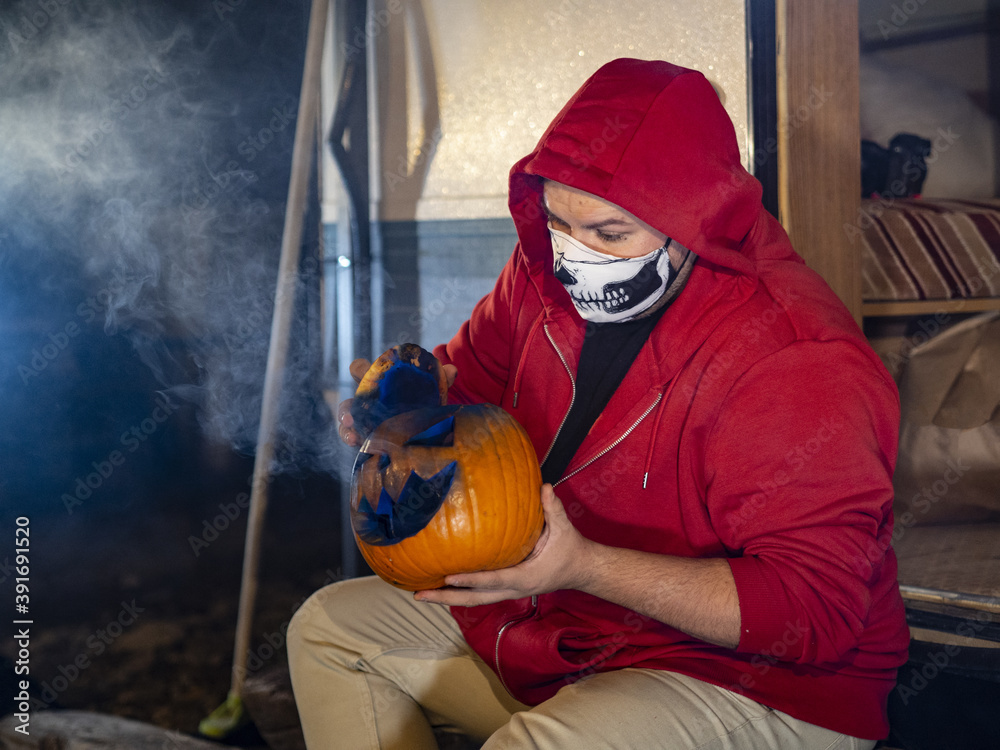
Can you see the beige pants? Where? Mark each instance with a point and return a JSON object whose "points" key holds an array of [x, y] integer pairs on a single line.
{"points": [[372, 668]]}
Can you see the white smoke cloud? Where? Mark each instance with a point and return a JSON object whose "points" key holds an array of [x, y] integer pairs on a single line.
{"points": [[147, 145]]}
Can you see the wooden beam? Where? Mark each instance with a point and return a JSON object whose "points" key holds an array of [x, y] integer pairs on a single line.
{"points": [[819, 141], [930, 306]]}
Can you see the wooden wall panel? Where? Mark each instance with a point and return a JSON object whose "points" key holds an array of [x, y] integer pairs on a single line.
{"points": [[819, 138]]}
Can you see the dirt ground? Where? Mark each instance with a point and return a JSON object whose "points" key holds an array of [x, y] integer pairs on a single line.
{"points": [[129, 621]]}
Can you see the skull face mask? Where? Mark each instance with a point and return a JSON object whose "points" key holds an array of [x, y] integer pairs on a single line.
{"points": [[606, 289]]}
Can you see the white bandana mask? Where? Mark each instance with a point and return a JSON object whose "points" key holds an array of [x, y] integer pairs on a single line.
{"points": [[606, 289]]}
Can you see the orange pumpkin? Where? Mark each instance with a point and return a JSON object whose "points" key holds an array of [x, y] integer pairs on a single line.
{"points": [[447, 489]]}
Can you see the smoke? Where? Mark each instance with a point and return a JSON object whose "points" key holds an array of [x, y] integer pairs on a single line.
{"points": [[145, 151]]}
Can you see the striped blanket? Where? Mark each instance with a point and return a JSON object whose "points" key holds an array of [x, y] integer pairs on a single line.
{"points": [[930, 249]]}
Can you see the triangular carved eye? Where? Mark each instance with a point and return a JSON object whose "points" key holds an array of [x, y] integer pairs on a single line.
{"points": [[383, 462], [394, 520], [440, 435]]}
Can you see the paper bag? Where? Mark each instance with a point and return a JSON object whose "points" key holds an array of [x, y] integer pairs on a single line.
{"points": [[949, 449]]}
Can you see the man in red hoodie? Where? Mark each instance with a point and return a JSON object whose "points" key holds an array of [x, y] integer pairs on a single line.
{"points": [[717, 441]]}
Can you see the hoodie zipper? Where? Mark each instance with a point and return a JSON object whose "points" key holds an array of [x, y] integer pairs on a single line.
{"points": [[615, 444], [534, 599], [503, 629], [610, 447], [572, 382]]}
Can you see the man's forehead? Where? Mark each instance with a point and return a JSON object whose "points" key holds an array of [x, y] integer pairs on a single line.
{"points": [[563, 195]]}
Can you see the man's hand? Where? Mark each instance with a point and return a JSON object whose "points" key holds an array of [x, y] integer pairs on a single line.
{"points": [[695, 595], [558, 561], [345, 427], [345, 421]]}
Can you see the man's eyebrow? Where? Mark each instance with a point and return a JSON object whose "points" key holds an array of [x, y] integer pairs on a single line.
{"points": [[619, 222], [604, 224]]}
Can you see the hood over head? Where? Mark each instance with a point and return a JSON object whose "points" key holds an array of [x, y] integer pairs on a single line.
{"points": [[654, 139]]}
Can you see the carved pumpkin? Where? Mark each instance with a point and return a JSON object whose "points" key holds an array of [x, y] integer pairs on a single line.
{"points": [[448, 489]]}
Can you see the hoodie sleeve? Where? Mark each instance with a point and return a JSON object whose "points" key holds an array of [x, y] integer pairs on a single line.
{"points": [[481, 348], [799, 486]]}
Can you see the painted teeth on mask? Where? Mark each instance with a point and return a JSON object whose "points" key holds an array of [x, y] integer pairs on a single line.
{"points": [[595, 299]]}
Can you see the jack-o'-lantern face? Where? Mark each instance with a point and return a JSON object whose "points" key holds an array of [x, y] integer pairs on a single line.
{"points": [[445, 490]]}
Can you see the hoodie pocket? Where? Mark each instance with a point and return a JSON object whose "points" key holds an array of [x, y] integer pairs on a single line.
{"points": [[535, 660]]}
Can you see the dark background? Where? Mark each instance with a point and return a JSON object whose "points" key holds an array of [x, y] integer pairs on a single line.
{"points": [[140, 228]]}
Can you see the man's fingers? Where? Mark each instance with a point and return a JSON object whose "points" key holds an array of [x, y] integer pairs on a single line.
{"points": [[358, 369], [345, 424], [450, 371], [456, 597], [344, 412]]}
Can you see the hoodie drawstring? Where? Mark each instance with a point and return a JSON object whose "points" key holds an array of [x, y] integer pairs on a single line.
{"points": [[521, 363], [659, 417]]}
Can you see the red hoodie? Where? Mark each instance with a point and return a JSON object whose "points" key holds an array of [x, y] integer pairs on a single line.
{"points": [[755, 424]]}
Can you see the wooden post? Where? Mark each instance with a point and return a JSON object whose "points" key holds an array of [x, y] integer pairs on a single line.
{"points": [[231, 714], [819, 141]]}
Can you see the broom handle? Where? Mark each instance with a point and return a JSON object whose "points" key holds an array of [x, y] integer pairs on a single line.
{"points": [[284, 299]]}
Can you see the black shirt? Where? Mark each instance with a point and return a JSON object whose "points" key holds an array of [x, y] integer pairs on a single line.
{"points": [[609, 349]]}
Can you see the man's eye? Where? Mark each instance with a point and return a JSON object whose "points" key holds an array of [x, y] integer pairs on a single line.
{"points": [[605, 237]]}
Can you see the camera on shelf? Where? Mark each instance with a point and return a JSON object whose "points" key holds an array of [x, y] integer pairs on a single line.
{"points": [[895, 172]]}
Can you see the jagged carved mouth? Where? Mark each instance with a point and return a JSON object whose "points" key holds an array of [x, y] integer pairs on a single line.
{"points": [[617, 296], [392, 520]]}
